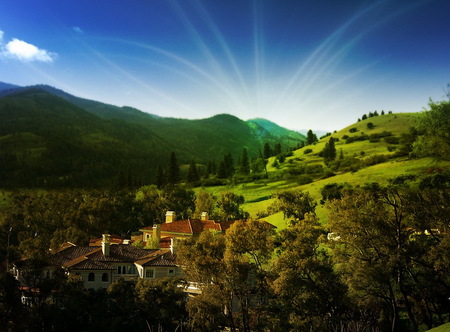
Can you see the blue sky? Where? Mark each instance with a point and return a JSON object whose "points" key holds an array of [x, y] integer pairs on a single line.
{"points": [[316, 64]]}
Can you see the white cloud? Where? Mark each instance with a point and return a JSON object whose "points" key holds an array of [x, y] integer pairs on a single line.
{"points": [[77, 29], [1, 36], [25, 52]]}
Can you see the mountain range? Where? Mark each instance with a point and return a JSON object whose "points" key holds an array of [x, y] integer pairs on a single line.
{"points": [[51, 138]]}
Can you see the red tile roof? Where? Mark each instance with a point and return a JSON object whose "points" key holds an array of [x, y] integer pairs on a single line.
{"points": [[192, 226]]}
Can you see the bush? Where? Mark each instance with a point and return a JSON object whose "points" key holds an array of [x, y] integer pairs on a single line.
{"points": [[304, 179], [370, 125], [307, 151], [353, 130], [392, 140], [375, 159], [356, 138], [314, 169]]}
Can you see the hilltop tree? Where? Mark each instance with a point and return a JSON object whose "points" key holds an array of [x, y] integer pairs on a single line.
{"points": [[173, 171], [311, 138]]}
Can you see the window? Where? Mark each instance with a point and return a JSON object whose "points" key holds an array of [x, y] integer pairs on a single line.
{"points": [[91, 277], [105, 277], [124, 270], [119, 270], [150, 274], [171, 272]]}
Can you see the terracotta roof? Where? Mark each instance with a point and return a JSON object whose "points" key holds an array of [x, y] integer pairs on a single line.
{"points": [[192, 226], [114, 239], [165, 242], [161, 257]]}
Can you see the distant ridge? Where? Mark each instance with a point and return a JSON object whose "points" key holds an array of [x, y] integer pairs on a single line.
{"points": [[49, 136]]}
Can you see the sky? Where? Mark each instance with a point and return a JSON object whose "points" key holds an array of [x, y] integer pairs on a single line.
{"points": [[317, 64]]}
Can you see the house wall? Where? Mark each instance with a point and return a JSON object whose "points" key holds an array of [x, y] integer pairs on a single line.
{"points": [[97, 282], [161, 272]]}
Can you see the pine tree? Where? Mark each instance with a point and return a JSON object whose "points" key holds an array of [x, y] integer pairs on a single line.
{"points": [[160, 177], [192, 173], [311, 138], [173, 172], [267, 151], [245, 166]]}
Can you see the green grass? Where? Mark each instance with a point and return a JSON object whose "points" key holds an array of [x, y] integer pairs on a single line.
{"points": [[442, 328], [257, 194]]}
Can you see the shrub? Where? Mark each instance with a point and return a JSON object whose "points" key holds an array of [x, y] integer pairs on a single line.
{"points": [[370, 125], [392, 140], [307, 151], [314, 169], [353, 130], [304, 179]]}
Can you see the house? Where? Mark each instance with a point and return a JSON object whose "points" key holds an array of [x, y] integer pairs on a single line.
{"points": [[99, 266], [181, 229]]}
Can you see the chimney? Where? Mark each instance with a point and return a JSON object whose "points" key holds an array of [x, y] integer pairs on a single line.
{"points": [[205, 216], [157, 231], [106, 244], [173, 245], [170, 216]]}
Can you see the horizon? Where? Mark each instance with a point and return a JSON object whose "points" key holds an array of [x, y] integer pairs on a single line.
{"points": [[299, 65]]}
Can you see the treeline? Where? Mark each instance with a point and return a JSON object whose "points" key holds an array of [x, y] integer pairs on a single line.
{"points": [[381, 263], [227, 170]]}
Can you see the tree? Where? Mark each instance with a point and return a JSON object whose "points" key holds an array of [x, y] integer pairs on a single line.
{"points": [[245, 166], [267, 151], [231, 271], [311, 138], [193, 173], [311, 293], [434, 127], [229, 206], [205, 202], [329, 151], [173, 171], [294, 205], [160, 180], [11, 311], [387, 258]]}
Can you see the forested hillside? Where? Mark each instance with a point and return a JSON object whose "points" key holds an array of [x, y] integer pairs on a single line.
{"points": [[49, 138]]}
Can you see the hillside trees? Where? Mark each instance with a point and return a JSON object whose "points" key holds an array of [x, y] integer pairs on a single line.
{"points": [[385, 257], [245, 165], [329, 151], [294, 205], [193, 175], [311, 138], [173, 170], [231, 267], [312, 294], [435, 129]]}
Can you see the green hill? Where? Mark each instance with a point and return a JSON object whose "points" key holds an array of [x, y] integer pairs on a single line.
{"points": [[50, 138], [376, 157]]}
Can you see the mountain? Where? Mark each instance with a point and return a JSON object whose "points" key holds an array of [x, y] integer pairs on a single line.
{"points": [[51, 138], [7, 86]]}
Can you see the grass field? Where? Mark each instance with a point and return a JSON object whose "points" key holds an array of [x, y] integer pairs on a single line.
{"points": [[442, 328], [258, 195]]}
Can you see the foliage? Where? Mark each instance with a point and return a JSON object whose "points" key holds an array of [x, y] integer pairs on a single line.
{"points": [[294, 205], [435, 129]]}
